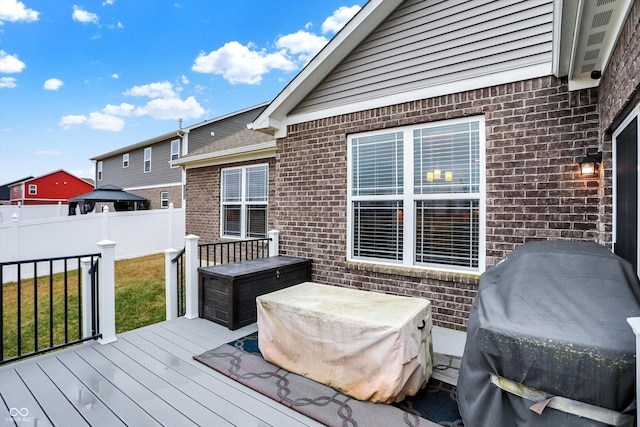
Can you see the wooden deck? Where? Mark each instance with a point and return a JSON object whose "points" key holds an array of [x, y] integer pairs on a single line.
{"points": [[147, 377]]}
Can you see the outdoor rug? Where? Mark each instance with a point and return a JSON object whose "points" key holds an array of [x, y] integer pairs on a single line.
{"points": [[435, 405]]}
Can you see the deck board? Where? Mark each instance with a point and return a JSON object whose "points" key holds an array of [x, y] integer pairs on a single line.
{"points": [[147, 377]]}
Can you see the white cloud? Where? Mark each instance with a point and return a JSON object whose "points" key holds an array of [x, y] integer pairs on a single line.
{"points": [[240, 64], [152, 90], [67, 122], [8, 82], [14, 11], [108, 2], [340, 17], [84, 16], [172, 109], [10, 63], [123, 109], [184, 80], [115, 76], [302, 43], [53, 84], [46, 153], [102, 121]]}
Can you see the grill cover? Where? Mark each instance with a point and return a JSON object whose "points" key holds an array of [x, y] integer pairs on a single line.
{"points": [[552, 316]]}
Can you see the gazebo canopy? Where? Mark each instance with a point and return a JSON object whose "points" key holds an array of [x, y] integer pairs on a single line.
{"points": [[122, 200]]}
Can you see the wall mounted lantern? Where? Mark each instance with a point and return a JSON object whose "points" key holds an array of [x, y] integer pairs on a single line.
{"points": [[589, 163]]}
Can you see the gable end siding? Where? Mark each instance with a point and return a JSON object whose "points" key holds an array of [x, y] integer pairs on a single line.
{"points": [[201, 136], [427, 43]]}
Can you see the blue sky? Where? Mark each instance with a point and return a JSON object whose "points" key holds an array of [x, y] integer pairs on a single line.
{"points": [[81, 78]]}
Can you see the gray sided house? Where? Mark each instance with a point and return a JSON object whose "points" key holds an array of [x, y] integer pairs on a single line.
{"points": [[145, 168], [230, 188], [430, 139]]}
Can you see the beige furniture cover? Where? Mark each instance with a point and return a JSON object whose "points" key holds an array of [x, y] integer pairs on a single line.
{"points": [[369, 345]]}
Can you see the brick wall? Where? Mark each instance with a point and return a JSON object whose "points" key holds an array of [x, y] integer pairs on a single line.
{"points": [[153, 194], [202, 195], [535, 133]]}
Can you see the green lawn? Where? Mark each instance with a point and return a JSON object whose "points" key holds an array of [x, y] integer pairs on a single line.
{"points": [[140, 301]]}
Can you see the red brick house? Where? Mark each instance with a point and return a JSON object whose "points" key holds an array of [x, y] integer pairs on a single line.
{"points": [[428, 140], [52, 188]]}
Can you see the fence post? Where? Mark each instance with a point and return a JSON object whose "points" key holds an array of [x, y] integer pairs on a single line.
{"points": [[171, 283], [107, 292], [170, 228], [635, 325], [274, 243], [191, 276], [15, 237], [85, 265], [105, 222]]}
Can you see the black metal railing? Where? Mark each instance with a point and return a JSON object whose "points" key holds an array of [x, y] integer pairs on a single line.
{"points": [[41, 305], [182, 304], [234, 251]]}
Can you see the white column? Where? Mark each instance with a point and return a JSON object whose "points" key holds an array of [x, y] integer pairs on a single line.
{"points": [[274, 243], [171, 283], [635, 325], [85, 265], [107, 292], [191, 276], [170, 227], [105, 222]]}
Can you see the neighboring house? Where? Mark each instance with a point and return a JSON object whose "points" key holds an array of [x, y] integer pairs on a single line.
{"points": [[230, 187], [52, 188], [144, 168], [5, 192], [428, 140]]}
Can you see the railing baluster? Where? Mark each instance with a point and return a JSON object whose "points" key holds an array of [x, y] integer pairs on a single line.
{"points": [[35, 306], [19, 309], [50, 303]]}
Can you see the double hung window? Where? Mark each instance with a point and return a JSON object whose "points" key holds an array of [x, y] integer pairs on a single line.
{"points": [[147, 159], [244, 201], [416, 196]]}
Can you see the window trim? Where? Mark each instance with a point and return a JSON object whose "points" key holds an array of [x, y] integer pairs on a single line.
{"points": [[125, 160], [164, 199], [173, 153], [33, 189], [144, 163], [244, 203], [409, 199], [99, 168]]}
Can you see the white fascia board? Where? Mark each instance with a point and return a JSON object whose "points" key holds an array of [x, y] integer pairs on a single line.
{"points": [[241, 154], [480, 82], [148, 187], [356, 30]]}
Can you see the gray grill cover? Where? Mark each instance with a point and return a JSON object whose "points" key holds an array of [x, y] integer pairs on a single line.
{"points": [[552, 316]]}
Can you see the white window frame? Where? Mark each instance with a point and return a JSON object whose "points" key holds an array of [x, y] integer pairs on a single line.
{"points": [[164, 199], [99, 170], [409, 199], [243, 202], [33, 189], [175, 151], [147, 160], [125, 160]]}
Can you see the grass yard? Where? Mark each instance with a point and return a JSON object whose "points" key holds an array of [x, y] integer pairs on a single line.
{"points": [[140, 301]]}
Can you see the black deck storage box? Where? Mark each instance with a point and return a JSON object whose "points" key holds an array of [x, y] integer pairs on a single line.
{"points": [[227, 292], [551, 316]]}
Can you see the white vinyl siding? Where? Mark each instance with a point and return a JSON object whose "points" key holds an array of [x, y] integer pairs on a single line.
{"points": [[244, 201], [416, 195], [426, 44]]}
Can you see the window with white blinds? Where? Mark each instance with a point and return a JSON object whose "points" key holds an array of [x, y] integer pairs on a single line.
{"points": [[416, 195], [244, 197]]}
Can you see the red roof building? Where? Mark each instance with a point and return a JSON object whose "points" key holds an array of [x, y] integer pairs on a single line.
{"points": [[59, 186]]}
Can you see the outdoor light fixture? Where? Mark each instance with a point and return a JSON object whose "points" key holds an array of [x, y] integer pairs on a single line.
{"points": [[589, 163]]}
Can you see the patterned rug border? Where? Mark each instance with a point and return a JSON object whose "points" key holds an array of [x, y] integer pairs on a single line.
{"points": [[253, 371]]}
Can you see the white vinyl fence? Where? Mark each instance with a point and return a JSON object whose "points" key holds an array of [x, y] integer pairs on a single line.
{"points": [[137, 233]]}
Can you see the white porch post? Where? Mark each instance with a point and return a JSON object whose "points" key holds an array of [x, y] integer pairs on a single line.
{"points": [[191, 276], [171, 283], [274, 243], [635, 325], [107, 292], [85, 265]]}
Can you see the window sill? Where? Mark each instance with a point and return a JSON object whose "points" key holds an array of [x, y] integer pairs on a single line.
{"points": [[424, 273]]}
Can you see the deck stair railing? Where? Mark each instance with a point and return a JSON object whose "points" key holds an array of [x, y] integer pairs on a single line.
{"points": [[42, 304], [181, 267]]}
